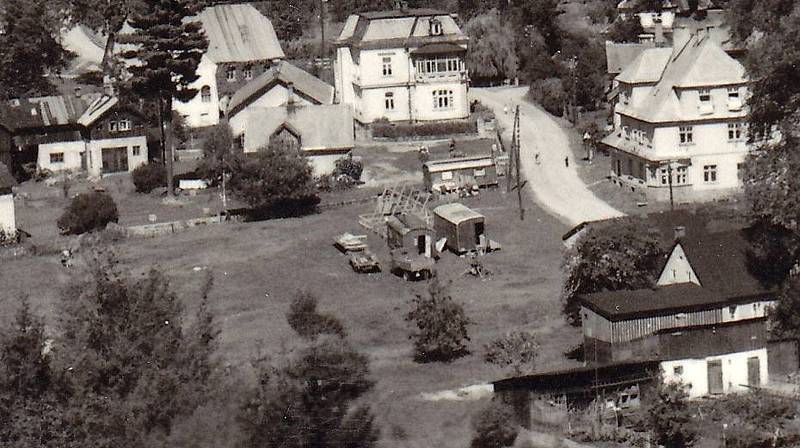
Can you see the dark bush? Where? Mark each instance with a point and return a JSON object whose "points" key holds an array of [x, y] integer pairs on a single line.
{"points": [[87, 212], [549, 93], [383, 129], [349, 167], [304, 318], [494, 427], [9, 238], [148, 177]]}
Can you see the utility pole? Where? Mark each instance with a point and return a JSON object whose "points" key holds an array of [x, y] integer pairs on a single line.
{"points": [[669, 178], [322, 29], [516, 155]]}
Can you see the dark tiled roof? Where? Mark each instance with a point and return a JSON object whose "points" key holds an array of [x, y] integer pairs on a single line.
{"points": [[398, 13], [720, 262], [41, 112], [580, 378]]}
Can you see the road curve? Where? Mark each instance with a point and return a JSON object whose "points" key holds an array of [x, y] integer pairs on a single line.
{"points": [[556, 187]]}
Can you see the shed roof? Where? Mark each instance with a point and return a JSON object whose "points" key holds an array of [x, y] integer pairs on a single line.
{"points": [[456, 213], [39, 112], [284, 73], [720, 261], [321, 127], [239, 33], [406, 223], [458, 163]]}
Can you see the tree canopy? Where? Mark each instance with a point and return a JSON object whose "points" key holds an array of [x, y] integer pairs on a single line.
{"points": [[491, 54], [441, 325], [625, 255]]}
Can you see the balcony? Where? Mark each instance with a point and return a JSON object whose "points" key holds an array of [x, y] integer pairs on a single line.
{"points": [[436, 77]]}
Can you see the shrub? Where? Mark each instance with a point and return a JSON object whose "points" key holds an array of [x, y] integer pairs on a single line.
{"points": [[306, 321], [149, 176], [441, 324], [669, 416], [87, 212], [347, 166], [384, 129], [549, 93], [494, 427], [517, 350], [9, 239]]}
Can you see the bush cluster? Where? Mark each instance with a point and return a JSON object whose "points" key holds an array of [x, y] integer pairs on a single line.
{"points": [[549, 93], [9, 238], [516, 350], [149, 176], [384, 129], [441, 325], [304, 319], [87, 212]]}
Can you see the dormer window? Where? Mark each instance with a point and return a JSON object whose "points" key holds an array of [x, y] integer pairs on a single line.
{"points": [[734, 101], [705, 95], [230, 74], [248, 72], [436, 27]]}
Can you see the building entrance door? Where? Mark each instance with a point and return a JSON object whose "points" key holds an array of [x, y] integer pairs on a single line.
{"points": [[715, 377], [115, 160], [753, 371]]}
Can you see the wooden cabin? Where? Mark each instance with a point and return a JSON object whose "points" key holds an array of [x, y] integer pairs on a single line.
{"points": [[409, 232], [463, 228], [461, 164]]}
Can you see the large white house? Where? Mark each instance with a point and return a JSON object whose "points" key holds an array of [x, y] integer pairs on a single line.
{"points": [[679, 123], [402, 65], [241, 45]]}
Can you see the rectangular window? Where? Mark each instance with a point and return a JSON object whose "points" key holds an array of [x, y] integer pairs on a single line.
{"points": [[56, 157], [685, 133], [125, 125], [705, 95], [230, 74], [387, 66], [740, 170], [137, 150], [442, 99], [681, 175], [389, 100], [733, 92], [113, 126], [248, 72], [677, 370], [664, 174], [710, 173], [734, 131]]}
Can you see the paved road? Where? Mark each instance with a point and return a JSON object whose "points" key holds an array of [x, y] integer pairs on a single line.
{"points": [[558, 189]]}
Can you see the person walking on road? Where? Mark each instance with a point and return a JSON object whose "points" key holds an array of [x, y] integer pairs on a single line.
{"points": [[566, 161], [536, 157]]}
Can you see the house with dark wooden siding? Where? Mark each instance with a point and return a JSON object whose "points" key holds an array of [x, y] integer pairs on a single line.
{"points": [[705, 320]]}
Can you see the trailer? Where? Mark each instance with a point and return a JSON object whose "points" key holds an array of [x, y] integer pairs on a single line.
{"points": [[411, 232], [411, 265], [462, 229]]}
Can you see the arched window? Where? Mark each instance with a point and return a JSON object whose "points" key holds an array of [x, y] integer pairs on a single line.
{"points": [[205, 94], [230, 74], [248, 72]]}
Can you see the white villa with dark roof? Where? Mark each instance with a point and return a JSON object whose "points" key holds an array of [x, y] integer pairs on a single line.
{"points": [[680, 123], [402, 65], [242, 44]]}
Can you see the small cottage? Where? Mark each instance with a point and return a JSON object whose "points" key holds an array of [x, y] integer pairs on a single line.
{"points": [[462, 228], [409, 231], [8, 223]]}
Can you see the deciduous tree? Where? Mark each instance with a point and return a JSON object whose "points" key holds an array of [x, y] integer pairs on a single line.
{"points": [[625, 255], [515, 350], [441, 325], [219, 153], [494, 426], [491, 55], [669, 417]]}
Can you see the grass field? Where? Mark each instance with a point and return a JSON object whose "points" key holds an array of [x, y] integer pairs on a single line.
{"points": [[259, 267]]}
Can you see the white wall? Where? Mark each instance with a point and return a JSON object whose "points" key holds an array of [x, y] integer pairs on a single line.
{"points": [[323, 164], [197, 112], [95, 161], [72, 155], [734, 371], [274, 97], [7, 215], [747, 311], [423, 101], [371, 67]]}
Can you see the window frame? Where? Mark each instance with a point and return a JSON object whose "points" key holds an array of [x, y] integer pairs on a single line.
{"points": [[56, 155], [230, 73], [733, 93], [136, 150], [388, 100], [735, 131], [205, 94], [387, 65], [710, 174], [247, 72], [686, 135], [704, 95]]}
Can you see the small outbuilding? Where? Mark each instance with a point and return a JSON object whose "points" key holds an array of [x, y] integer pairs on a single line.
{"points": [[463, 228], [410, 232], [460, 164]]}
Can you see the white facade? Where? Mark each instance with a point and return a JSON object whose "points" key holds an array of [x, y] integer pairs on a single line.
{"points": [[277, 96], [8, 220], [203, 109], [80, 155], [405, 66], [735, 372]]}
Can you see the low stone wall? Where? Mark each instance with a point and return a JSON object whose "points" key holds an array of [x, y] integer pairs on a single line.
{"points": [[164, 228]]}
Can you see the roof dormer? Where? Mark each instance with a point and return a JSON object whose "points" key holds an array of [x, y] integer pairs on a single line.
{"points": [[678, 270], [435, 27]]}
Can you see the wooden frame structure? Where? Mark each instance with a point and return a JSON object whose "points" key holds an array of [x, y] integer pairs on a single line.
{"points": [[399, 199]]}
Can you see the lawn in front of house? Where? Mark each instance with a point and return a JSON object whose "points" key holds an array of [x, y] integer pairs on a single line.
{"points": [[259, 267]]}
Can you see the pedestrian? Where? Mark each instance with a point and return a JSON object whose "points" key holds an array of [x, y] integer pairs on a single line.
{"points": [[536, 157], [505, 109], [566, 161]]}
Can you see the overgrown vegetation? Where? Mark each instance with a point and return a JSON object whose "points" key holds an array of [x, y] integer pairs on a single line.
{"points": [[441, 325], [623, 256], [306, 321], [494, 426], [148, 177], [669, 417], [87, 212], [515, 350]]}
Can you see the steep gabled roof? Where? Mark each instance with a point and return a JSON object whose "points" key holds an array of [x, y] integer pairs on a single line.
{"points": [[304, 83], [239, 33], [40, 112], [97, 109], [699, 63], [321, 127], [721, 265], [398, 28], [620, 55], [647, 67]]}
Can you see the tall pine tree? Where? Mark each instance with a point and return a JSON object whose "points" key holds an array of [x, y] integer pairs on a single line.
{"points": [[169, 46]]}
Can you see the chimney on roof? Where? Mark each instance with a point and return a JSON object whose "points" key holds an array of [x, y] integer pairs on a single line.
{"points": [[290, 101], [401, 5], [659, 34], [680, 232], [108, 85]]}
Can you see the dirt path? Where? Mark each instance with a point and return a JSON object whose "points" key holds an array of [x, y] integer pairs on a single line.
{"points": [[556, 187]]}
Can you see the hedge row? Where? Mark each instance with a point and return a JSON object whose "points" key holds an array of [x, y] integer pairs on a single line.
{"points": [[399, 131]]}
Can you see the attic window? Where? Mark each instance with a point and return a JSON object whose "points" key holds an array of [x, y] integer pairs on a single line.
{"points": [[732, 310], [436, 27], [245, 33], [705, 95]]}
